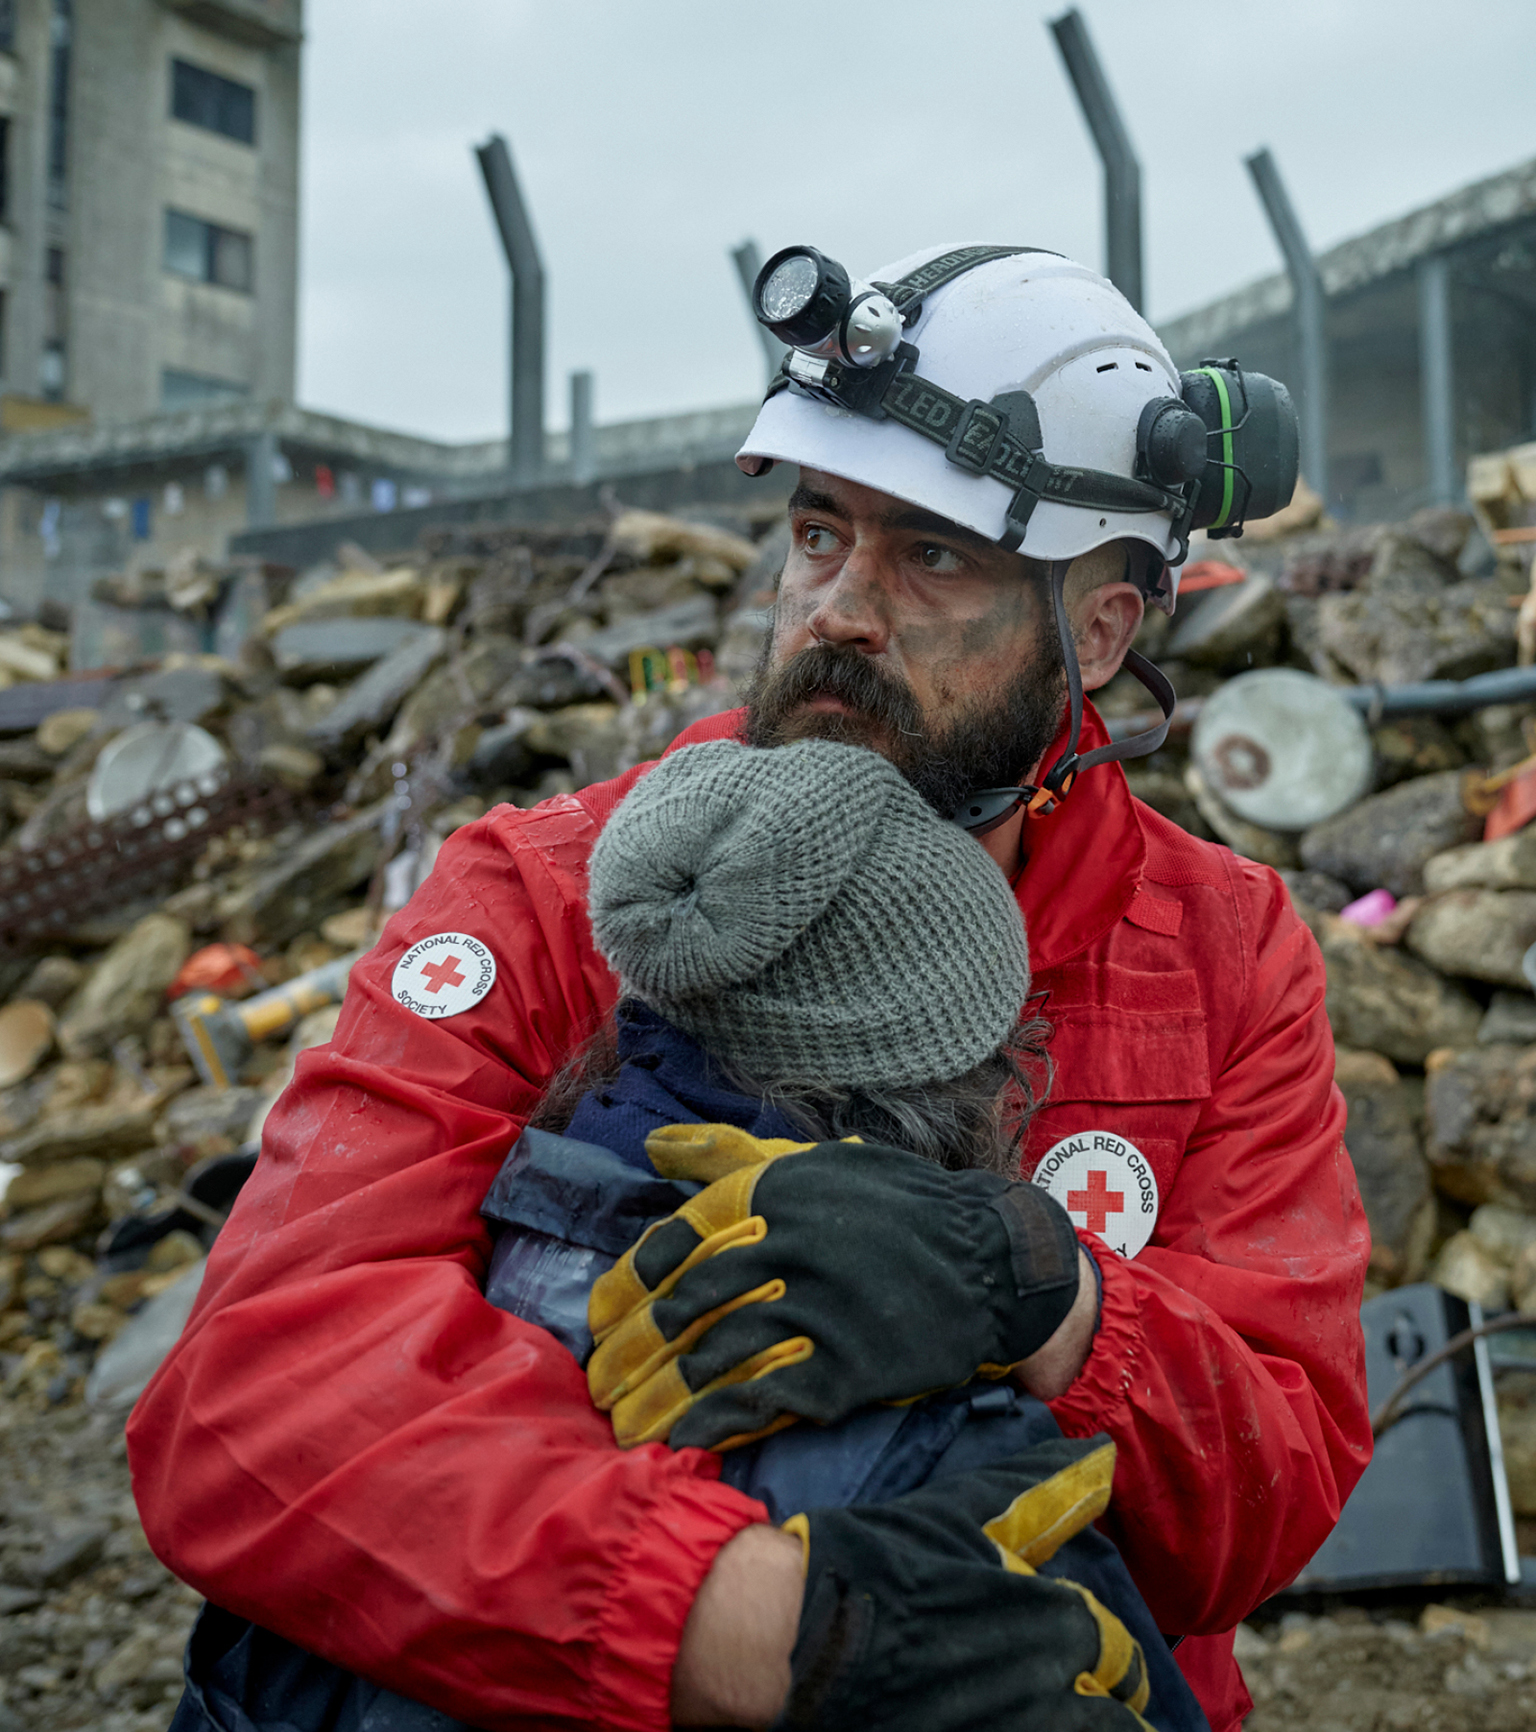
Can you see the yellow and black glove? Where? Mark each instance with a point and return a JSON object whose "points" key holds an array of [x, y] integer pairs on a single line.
{"points": [[926, 1614], [807, 1281]]}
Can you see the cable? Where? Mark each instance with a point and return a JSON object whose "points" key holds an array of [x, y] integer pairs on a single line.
{"points": [[1387, 1414]]}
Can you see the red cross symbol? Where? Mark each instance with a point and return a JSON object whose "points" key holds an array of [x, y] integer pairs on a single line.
{"points": [[1098, 1202], [441, 974]]}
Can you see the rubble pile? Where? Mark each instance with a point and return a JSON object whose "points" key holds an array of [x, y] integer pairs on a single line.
{"points": [[362, 711]]}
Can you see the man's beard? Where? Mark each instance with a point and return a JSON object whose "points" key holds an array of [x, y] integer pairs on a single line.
{"points": [[990, 744]]}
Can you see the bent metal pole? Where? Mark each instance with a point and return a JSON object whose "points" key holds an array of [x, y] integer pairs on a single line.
{"points": [[526, 449], [1311, 307], [1122, 169]]}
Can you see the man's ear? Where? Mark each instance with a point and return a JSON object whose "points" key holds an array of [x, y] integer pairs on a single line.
{"points": [[1105, 611]]}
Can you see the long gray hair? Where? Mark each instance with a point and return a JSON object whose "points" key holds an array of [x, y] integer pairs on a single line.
{"points": [[972, 1121]]}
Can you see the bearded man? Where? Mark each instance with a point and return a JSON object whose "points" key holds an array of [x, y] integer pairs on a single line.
{"points": [[351, 1447]]}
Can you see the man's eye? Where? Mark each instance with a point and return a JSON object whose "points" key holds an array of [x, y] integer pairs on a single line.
{"points": [[932, 557], [818, 539]]}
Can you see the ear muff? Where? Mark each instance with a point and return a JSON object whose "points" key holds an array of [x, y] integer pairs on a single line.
{"points": [[1170, 443], [1252, 446]]}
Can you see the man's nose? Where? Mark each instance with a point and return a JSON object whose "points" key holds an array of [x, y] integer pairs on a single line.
{"points": [[850, 611]]}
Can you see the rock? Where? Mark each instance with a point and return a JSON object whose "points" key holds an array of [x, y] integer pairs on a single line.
{"points": [[1382, 1138], [588, 736], [339, 647], [688, 624], [203, 1114], [550, 682], [1495, 735], [1411, 632], [1385, 1002], [1316, 890], [502, 756], [743, 644], [647, 589], [123, 1369], [651, 536], [1385, 840], [26, 1034], [1517, 1430], [455, 693], [1510, 1020], [306, 884], [125, 992], [65, 729], [1233, 628], [50, 1224], [1269, 847], [1465, 1268], [83, 1176], [53, 980], [395, 594], [1409, 746], [1508, 864], [1522, 1281], [70, 1557], [1442, 530], [1481, 1131], [184, 694], [1504, 1233], [296, 767], [1481, 934], [128, 1663], [369, 704], [353, 929]]}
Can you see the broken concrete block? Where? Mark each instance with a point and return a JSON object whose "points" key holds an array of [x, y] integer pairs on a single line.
{"points": [[1385, 840], [1508, 864], [1237, 627], [124, 994], [1481, 1129], [1479, 934], [1386, 1002], [653, 537], [1510, 1020], [1383, 1141], [687, 624], [369, 704], [338, 647], [1405, 633], [309, 882], [397, 594]]}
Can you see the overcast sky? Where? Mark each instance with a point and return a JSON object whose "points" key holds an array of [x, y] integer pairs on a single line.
{"points": [[652, 135]]}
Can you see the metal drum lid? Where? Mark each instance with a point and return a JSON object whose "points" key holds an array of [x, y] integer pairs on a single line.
{"points": [[146, 758], [1283, 749]]}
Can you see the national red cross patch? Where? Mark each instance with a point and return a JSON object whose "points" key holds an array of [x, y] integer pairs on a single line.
{"points": [[442, 975], [1105, 1184]]}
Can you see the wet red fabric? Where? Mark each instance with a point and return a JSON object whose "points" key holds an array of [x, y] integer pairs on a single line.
{"points": [[350, 1446]]}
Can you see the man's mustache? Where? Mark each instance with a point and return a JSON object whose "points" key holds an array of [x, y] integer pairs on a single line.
{"points": [[852, 678]]}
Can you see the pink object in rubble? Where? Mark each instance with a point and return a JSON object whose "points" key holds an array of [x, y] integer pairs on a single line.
{"points": [[1370, 909]]}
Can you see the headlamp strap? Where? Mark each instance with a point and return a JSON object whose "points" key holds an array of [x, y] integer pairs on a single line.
{"points": [[910, 291]]}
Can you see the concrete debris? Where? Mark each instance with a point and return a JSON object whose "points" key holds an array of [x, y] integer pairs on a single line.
{"points": [[1386, 840]]}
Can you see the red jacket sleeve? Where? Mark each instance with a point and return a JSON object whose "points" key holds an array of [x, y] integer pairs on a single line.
{"points": [[349, 1445], [1229, 1362]]}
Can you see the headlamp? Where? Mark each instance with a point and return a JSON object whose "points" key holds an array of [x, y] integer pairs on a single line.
{"points": [[809, 302]]}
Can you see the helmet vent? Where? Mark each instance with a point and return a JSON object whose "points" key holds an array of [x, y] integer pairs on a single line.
{"points": [[1108, 367], [1143, 366]]}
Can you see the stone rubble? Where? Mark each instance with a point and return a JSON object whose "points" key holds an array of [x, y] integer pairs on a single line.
{"points": [[394, 702]]}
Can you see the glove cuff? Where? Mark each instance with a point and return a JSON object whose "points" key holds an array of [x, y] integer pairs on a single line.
{"points": [[1042, 1265]]}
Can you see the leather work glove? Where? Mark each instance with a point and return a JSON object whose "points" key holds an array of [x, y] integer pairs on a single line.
{"points": [[926, 1614], [809, 1280]]}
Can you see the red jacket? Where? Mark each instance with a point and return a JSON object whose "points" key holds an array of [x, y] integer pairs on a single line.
{"points": [[350, 1446]]}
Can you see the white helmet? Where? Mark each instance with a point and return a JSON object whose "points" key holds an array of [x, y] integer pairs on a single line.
{"points": [[1020, 395], [1031, 322]]}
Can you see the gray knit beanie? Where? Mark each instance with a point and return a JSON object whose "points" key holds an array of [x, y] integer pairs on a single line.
{"points": [[803, 912]]}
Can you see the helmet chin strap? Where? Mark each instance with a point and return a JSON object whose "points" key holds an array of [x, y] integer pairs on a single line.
{"points": [[985, 808]]}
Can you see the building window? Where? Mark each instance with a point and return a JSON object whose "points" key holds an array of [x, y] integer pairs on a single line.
{"points": [[207, 253], [50, 371], [7, 26], [203, 98], [61, 33], [179, 390]]}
